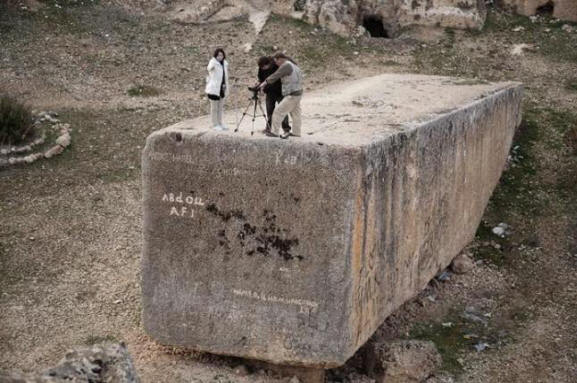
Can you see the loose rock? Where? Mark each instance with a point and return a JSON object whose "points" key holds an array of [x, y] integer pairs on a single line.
{"points": [[63, 140], [55, 150], [462, 264], [501, 230], [404, 361], [241, 370]]}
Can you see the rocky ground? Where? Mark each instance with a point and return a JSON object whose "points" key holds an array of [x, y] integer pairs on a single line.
{"points": [[70, 233]]}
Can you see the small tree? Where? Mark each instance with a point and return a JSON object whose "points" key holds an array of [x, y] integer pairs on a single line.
{"points": [[15, 121]]}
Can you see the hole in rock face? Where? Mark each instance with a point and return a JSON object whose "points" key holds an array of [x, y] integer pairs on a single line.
{"points": [[177, 137], [374, 25], [299, 5], [546, 10]]}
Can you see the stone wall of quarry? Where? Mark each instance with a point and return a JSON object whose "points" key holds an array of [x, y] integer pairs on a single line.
{"points": [[384, 18], [381, 18], [560, 9]]}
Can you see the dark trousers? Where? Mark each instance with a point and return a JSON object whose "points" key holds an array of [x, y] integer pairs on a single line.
{"points": [[271, 101]]}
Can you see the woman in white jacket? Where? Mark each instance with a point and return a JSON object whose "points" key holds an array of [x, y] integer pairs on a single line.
{"points": [[217, 87]]}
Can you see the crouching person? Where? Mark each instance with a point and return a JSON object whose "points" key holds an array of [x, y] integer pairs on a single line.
{"points": [[273, 92], [291, 78]]}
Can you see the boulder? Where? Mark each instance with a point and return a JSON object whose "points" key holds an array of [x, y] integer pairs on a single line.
{"points": [[294, 251], [462, 264], [102, 363]]}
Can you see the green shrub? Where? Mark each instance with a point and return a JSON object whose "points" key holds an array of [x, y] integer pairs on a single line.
{"points": [[15, 121], [571, 84], [143, 91]]}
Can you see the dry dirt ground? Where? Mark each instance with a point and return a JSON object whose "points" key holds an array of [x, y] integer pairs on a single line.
{"points": [[70, 228]]}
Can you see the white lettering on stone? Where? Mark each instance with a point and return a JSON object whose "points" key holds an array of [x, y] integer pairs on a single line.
{"points": [[182, 210], [180, 198], [285, 160], [271, 298], [171, 157]]}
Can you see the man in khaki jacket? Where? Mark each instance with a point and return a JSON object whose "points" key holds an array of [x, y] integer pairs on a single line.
{"points": [[291, 78]]}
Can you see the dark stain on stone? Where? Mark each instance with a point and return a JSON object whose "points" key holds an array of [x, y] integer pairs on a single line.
{"points": [[265, 240], [225, 216], [282, 246], [415, 4], [429, 5], [268, 239], [249, 229]]}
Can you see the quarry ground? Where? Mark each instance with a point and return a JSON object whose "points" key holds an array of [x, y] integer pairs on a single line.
{"points": [[70, 233]]}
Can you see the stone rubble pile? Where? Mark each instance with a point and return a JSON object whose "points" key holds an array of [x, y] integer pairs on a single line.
{"points": [[101, 363]]}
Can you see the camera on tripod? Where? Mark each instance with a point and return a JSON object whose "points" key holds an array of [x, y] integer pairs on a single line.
{"points": [[254, 90], [256, 105]]}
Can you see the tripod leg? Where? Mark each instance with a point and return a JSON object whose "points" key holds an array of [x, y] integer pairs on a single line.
{"points": [[242, 117], [267, 125], [256, 103]]}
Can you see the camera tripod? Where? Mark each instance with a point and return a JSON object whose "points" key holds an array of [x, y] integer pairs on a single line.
{"points": [[254, 103]]}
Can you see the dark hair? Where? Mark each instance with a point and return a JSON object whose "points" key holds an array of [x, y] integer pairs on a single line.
{"points": [[217, 51], [264, 60], [280, 55]]}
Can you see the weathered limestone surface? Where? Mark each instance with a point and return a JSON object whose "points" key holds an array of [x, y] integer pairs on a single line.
{"points": [[562, 9], [340, 16], [343, 17], [295, 251]]}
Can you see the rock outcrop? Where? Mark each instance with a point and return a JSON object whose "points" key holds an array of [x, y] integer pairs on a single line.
{"points": [[103, 363], [561, 9], [384, 19]]}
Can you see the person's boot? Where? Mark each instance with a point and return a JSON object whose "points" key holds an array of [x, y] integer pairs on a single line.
{"points": [[285, 135], [268, 133]]}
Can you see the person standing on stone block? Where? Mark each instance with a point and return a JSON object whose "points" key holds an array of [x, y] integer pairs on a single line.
{"points": [[291, 78], [273, 92], [216, 87]]}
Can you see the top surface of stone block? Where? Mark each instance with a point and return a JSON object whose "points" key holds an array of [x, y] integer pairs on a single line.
{"points": [[355, 113]]}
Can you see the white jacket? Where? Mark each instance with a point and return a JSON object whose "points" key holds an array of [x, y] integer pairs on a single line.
{"points": [[214, 78]]}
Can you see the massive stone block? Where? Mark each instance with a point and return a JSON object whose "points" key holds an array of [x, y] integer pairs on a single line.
{"points": [[295, 251]]}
